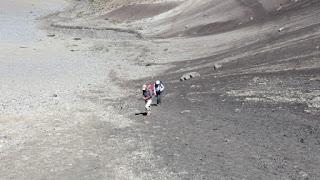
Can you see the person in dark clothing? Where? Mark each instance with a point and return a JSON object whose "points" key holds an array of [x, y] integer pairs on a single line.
{"points": [[158, 88]]}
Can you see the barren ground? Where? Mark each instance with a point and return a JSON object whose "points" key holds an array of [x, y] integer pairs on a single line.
{"points": [[70, 89]]}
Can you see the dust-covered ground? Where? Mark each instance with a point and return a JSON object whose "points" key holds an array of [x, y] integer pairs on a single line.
{"points": [[71, 95]]}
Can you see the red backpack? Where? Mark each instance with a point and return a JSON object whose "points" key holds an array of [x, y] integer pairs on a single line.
{"points": [[152, 89]]}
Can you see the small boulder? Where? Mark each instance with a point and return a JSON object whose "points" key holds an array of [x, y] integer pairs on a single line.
{"points": [[51, 35], [76, 39], [256, 80], [185, 111], [217, 66], [189, 75], [279, 8], [301, 140], [303, 174], [280, 29]]}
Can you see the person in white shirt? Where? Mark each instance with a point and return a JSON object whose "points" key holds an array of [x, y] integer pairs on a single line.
{"points": [[158, 90]]}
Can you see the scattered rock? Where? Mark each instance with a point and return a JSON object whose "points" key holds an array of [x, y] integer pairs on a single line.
{"points": [[195, 86], [303, 174], [217, 66], [237, 110], [76, 39], [251, 18], [189, 75], [317, 47], [280, 29], [301, 140], [314, 103], [315, 79], [256, 79], [51, 35], [279, 8], [308, 111], [55, 95], [185, 111], [166, 49]]}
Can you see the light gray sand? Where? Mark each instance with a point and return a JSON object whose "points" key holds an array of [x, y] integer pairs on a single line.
{"points": [[49, 126]]}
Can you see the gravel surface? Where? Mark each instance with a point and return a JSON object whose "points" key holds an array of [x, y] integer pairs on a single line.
{"points": [[70, 99]]}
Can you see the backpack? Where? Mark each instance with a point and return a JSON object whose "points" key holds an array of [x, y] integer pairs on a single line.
{"points": [[152, 89]]}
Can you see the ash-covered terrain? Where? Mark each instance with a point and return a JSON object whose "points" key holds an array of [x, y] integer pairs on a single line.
{"points": [[251, 112]]}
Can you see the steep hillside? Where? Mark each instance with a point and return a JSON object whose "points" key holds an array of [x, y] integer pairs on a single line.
{"points": [[195, 17], [253, 110]]}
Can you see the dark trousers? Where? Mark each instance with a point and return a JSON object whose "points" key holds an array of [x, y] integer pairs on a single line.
{"points": [[159, 97]]}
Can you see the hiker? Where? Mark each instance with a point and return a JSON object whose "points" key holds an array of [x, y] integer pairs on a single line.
{"points": [[158, 89], [147, 96]]}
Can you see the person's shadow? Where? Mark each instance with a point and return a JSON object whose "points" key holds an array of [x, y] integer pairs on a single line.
{"points": [[141, 113], [144, 113]]}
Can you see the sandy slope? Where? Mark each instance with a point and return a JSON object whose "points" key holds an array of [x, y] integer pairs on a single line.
{"points": [[256, 118]]}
